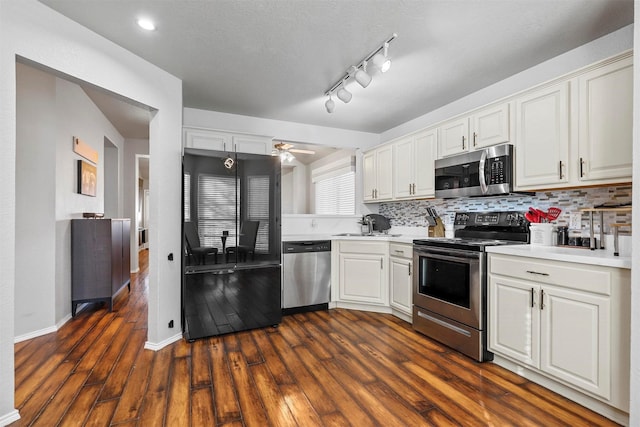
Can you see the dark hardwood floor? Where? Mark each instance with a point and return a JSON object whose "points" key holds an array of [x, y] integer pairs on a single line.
{"points": [[333, 368]]}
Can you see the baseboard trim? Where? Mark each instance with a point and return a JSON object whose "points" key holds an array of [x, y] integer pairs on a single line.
{"points": [[64, 320], [162, 344], [35, 334], [9, 418]]}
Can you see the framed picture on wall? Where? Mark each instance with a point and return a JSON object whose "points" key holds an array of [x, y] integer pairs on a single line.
{"points": [[87, 178]]}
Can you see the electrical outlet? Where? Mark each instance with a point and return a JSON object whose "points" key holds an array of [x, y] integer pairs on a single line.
{"points": [[575, 221]]}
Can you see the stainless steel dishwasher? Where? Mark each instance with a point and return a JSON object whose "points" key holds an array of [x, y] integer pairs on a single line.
{"points": [[306, 270]]}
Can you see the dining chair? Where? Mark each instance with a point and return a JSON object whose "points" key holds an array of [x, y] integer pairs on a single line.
{"points": [[246, 242], [195, 252]]}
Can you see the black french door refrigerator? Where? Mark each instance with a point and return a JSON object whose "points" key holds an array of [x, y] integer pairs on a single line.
{"points": [[231, 242]]}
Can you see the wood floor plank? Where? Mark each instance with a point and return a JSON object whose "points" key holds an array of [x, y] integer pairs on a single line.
{"points": [[280, 373], [252, 410], [200, 364], [249, 348], [135, 388], [179, 404], [365, 397], [226, 404], [202, 410], [81, 406], [101, 414], [332, 368], [342, 399], [317, 395], [96, 351], [116, 381], [63, 398], [274, 402], [301, 409], [103, 367], [39, 398]]}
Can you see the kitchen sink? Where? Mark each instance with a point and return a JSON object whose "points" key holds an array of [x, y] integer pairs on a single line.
{"points": [[365, 235]]}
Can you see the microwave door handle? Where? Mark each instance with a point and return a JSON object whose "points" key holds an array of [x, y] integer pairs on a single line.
{"points": [[481, 168]]}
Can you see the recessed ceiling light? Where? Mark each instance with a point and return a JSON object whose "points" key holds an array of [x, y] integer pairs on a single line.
{"points": [[146, 24]]}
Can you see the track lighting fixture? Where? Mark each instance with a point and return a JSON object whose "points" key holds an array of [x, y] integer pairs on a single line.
{"points": [[381, 60], [379, 57], [344, 95], [330, 105], [361, 75]]}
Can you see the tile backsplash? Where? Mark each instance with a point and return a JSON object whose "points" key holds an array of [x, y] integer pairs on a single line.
{"points": [[412, 213]]}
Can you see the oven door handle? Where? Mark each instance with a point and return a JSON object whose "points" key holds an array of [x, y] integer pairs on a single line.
{"points": [[481, 173], [449, 255]]}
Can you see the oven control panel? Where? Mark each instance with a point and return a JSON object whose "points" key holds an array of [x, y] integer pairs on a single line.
{"points": [[489, 218]]}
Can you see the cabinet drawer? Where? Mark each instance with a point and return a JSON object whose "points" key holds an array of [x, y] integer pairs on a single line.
{"points": [[401, 250], [364, 247], [569, 275]]}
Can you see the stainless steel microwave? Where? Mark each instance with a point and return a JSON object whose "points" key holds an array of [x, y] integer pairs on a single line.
{"points": [[486, 172]]}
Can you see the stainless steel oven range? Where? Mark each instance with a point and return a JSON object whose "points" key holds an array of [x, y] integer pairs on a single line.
{"points": [[450, 280]]}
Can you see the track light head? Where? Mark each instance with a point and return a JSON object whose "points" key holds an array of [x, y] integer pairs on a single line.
{"points": [[343, 94], [381, 60], [330, 105], [361, 75]]}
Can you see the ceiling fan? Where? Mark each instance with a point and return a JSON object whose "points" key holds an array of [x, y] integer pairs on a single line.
{"points": [[284, 150]]}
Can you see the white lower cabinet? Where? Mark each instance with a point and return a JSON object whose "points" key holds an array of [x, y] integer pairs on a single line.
{"points": [[362, 272], [401, 279], [569, 322]]}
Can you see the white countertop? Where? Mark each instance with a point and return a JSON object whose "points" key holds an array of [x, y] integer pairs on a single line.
{"points": [[402, 238], [558, 253]]}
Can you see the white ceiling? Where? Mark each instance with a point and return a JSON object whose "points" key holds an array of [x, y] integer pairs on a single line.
{"points": [[276, 58]]}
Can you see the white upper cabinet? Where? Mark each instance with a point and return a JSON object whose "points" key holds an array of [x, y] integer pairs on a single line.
{"points": [[485, 127], [206, 139], [542, 136], [454, 137], [413, 165], [491, 126], [377, 174], [252, 144], [606, 122]]}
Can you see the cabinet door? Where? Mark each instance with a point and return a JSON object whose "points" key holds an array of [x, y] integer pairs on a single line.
{"points": [[362, 278], [384, 173], [575, 339], [424, 168], [490, 126], [606, 122], [252, 144], [369, 175], [207, 140], [404, 159], [454, 137], [400, 275], [514, 319], [542, 135]]}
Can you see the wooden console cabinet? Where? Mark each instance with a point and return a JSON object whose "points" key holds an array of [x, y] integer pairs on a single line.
{"points": [[100, 260]]}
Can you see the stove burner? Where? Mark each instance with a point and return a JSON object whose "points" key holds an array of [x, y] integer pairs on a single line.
{"points": [[483, 229]]}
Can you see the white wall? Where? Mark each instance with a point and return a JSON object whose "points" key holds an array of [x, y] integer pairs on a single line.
{"points": [[634, 419], [131, 148], [35, 288], [46, 178], [278, 129], [582, 56], [33, 31]]}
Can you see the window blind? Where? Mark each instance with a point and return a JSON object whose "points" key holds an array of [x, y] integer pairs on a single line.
{"points": [[218, 208], [186, 190], [336, 195], [258, 209]]}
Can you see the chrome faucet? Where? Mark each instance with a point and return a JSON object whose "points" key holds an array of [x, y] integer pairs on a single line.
{"points": [[369, 222]]}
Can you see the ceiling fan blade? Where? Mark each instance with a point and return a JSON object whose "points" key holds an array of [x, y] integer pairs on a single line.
{"points": [[301, 151]]}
